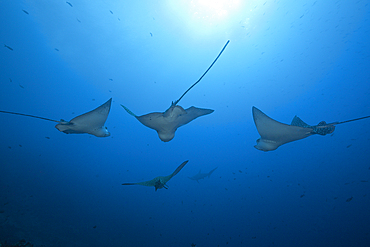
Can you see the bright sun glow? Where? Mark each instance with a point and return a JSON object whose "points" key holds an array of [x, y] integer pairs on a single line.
{"points": [[204, 17], [213, 10]]}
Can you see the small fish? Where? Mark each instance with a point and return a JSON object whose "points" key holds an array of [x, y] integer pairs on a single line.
{"points": [[111, 12], [21, 86], [69, 4], [47, 137], [302, 196], [151, 34], [349, 145], [10, 79], [110, 79], [25, 12], [8, 47], [349, 199], [56, 49]]}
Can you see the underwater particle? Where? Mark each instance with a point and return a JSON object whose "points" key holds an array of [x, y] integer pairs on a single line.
{"points": [[25, 12], [349, 199], [254, 237], [2, 211], [8, 47], [364, 181], [193, 245], [69, 4]]}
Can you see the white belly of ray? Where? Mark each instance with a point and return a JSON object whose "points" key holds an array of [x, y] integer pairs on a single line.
{"points": [[274, 134]]}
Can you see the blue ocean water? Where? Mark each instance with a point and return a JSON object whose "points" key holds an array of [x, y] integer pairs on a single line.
{"points": [[307, 58]]}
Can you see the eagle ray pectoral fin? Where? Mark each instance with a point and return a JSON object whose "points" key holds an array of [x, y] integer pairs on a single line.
{"points": [[178, 169]]}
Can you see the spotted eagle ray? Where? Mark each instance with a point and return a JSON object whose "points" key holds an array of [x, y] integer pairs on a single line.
{"points": [[166, 123], [200, 175], [91, 122], [274, 134], [160, 181]]}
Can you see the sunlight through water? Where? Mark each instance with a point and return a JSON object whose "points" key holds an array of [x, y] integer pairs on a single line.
{"points": [[206, 17]]}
